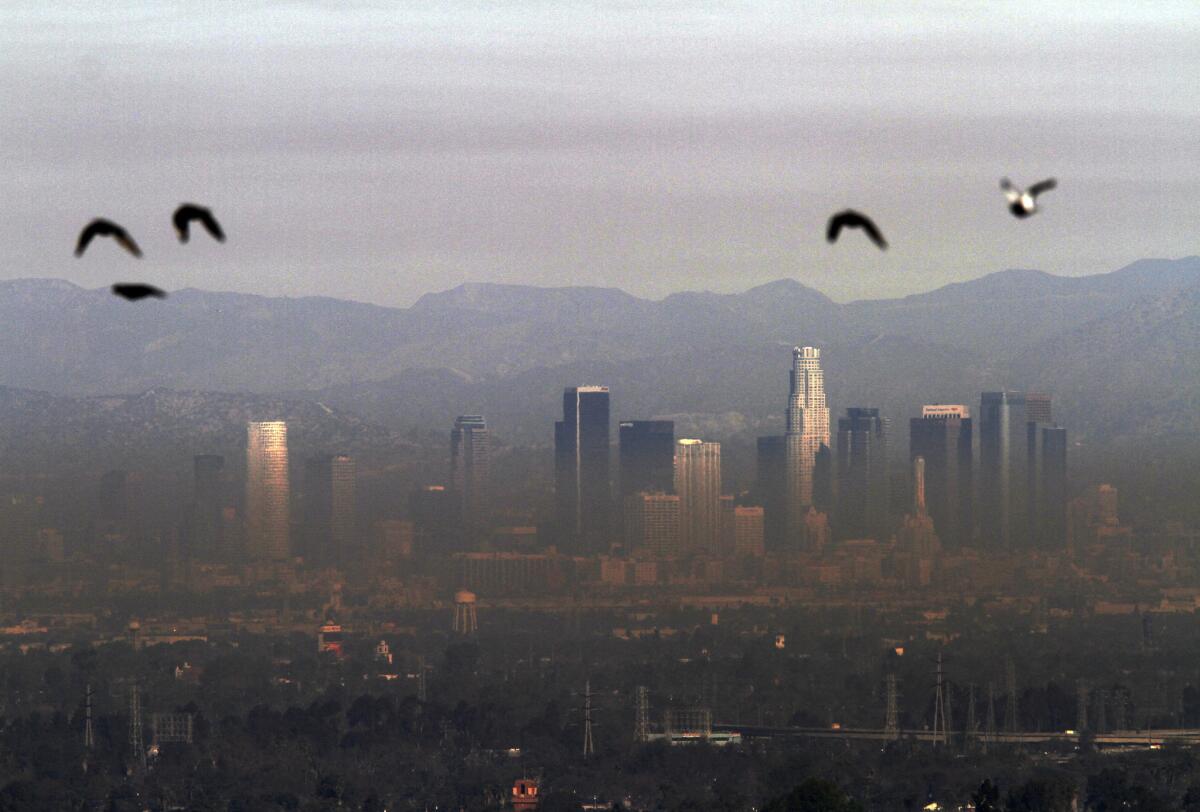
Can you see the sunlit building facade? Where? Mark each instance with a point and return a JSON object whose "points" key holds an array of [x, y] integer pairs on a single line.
{"points": [[807, 432], [698, 483], [267, 491]]}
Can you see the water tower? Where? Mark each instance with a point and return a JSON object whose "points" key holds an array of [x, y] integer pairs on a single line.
{"points": [[466, 620]]}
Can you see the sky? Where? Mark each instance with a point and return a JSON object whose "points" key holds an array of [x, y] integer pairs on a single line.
{"points": [[379, 151]]}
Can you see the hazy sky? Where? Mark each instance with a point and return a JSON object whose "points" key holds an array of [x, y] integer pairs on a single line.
{"points": [[380, 151]]}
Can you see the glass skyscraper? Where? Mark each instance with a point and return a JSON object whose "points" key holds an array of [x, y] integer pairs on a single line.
{"points": [[698, 484], [470, 466], [581, 468], [267, 490]]}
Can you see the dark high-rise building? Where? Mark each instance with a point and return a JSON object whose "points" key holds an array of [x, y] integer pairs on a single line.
{"points": [[647, 456], [1047, 496], [436, 519], [582, 483], [863, 485], [1037, 408], [208, 504], [770, 490], [1003, 461], [942, 435], [329, 510], [470, 467]]}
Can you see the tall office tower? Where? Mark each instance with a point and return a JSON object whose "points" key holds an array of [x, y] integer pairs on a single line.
{"points": [[1003, 461], [698, 483], [770, 489], [647, 456], [807, 430], [1047, 496], [748, 531], [470, 467], [436, 518], [1037, 408], [863, 485], [267, 490], [582, 484], [208, 502], [652, 525], [329, 510], [942, 435]]}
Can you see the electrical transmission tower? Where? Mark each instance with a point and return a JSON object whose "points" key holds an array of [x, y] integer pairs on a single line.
{"points": [[1081, 703], [89, 733], [135, 727], [588, 748], [1010, 711], [939, 707], [422, 696], [971, 731], [641, 730], [990, 731], [891, 727]]}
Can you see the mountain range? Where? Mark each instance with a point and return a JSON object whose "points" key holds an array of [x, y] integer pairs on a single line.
{"points": [[1117, 350]]}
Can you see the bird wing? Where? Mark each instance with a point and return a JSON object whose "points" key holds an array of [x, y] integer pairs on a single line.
{"points": [[180, 221], [1042, 186], [125, 241], [85, 237], [874, 233], [211, 225], [834, 227]]}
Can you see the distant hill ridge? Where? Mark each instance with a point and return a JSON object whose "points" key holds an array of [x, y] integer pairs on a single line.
{"points": [[505, 349]]}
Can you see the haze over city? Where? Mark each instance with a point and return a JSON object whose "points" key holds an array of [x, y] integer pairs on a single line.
{"points": [[551, 407]]}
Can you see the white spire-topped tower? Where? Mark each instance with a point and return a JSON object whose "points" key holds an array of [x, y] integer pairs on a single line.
{"points": [[807, 430]]}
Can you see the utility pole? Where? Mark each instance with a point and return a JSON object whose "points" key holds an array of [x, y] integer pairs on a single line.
{"points": [[891, 727], [588, 748]]}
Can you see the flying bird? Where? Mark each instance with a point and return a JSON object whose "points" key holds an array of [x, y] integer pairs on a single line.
{"points": [[1023, 202], [133, 291], [852, 219], [187, 212], [106, 228]]}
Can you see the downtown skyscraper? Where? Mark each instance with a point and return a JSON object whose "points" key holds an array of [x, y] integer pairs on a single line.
{"points": [[329, 510], [862, 472], [698, 484], [470, 467], [807, 432], [1003, 463], [582, 483], [646, 456], [267, 491], [942, 435]]}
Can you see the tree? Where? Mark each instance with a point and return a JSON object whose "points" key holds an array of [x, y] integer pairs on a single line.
{"points": [[814, 795]]}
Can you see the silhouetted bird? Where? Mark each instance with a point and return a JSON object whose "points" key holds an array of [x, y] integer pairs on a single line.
{"points": [[133, 291], [106, 228], [1023, 202], [187, 212], [852, 219]]}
